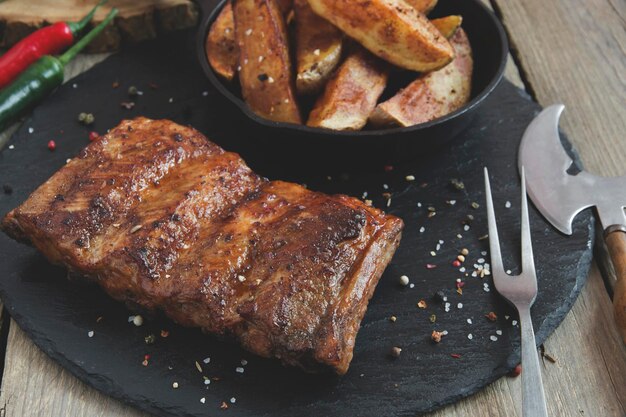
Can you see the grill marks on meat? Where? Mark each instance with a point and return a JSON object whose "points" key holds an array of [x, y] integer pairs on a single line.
{"points": [[164, 219]]}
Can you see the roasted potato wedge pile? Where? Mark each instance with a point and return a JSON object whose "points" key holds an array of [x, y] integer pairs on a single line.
{"points": [[327, 63]]}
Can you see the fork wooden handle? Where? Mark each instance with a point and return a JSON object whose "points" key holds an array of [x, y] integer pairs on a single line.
{"points": [[616, 244]]}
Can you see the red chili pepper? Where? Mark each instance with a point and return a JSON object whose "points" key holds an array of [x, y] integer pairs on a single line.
{"points": [[49, 40]]}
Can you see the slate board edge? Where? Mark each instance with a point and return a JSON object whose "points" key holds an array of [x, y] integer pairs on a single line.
{"points": [[109, 387]]}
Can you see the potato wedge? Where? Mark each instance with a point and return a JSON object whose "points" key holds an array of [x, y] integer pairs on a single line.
{"points": [[422, 6], [220, 46], [351, 94], [318, 49], [431, 95], [448, 25], [390, 29], [266, 77]]}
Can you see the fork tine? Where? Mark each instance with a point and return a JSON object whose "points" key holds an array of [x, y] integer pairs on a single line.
{"points": [[497, 268], [528, 263]]}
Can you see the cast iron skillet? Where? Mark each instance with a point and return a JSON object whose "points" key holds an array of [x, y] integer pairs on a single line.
{"points": [[305, 144]]}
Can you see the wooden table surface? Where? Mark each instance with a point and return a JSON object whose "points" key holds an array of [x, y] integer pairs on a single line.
{"points": [[568, 51]]}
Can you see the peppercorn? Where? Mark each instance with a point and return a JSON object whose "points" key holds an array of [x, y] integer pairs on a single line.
{"points": [[89, 119], [516, 371], [132, 91], [93, 136], [82, 117], [395, 352], [52, 145], [456, 263]]}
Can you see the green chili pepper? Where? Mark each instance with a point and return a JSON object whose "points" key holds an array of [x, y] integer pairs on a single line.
{"points": [[41, 78]]}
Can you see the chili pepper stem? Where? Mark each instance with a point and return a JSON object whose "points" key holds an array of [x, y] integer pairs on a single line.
{"points": [[77, 27], [74, 50]]}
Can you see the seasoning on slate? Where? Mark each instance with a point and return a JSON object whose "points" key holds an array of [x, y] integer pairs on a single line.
{"points": [[150, 339], [436, 336], [422, 304], [432, 318], [457, 184], [491, 316], [404, 280]]}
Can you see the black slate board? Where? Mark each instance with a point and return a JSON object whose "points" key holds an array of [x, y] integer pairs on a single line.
{"points": [[58, 314]]}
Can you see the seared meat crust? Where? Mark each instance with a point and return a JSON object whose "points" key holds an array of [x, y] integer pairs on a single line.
{"points": [[163, 219]]}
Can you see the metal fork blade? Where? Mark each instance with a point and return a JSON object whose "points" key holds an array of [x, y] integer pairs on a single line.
{"points": [[528, 263], [521, 292], [497, 269]]}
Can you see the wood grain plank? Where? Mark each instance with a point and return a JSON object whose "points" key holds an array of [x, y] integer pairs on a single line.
{"points": [[574, 52]]}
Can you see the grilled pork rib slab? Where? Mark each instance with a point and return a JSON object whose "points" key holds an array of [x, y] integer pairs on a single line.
{"points": [[163, 219]]}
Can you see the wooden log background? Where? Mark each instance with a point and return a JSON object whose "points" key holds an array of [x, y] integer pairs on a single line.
{"points": [[137, 20]]}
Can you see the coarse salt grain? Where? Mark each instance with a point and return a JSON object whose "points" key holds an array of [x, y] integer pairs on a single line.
{"points": [[514, 322], [316, 52], [11, 146], [483, 253], [466, 227], [422, 229], [459, 305], [175, 385], [171, 100], [433, 253], [207, 381], [206, 93], [469, 336], [411, 285], [241, 278], [469, 321], [447, 307], [244, 362], [499, 332], [206, 360], [239, 370], [508, 272], [445, 333], [419, 204], [507, 204], [493, 338], [248, 32], [481, 261], [202, 400], [31, 130], [233, 400], [90, 333]]}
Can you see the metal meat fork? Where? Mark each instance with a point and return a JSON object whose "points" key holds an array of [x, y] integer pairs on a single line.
{"points": [[520, 291]]}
